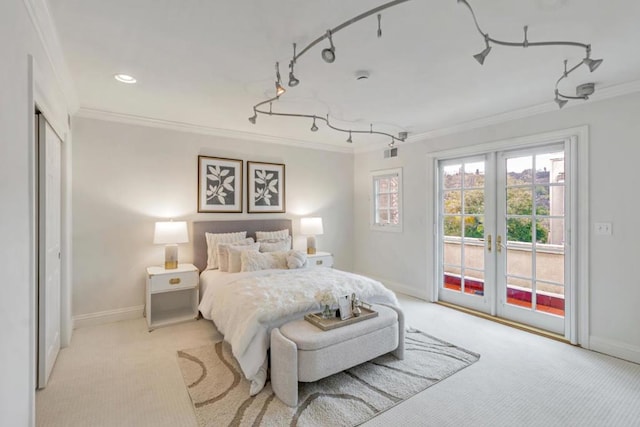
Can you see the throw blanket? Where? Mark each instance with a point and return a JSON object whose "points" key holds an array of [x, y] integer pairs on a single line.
{"points": [[246, 306]]}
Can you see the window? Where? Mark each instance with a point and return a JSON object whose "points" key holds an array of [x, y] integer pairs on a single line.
{"points": [[386, 196]]}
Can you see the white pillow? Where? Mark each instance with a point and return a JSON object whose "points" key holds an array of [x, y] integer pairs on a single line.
{"points": [[223, 253], [235, 254], [265, 235], [275, 245], [255, 261], [296, 259], [212, 245]]}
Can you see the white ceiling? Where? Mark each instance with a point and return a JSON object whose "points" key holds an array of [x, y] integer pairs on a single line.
{"points": [[207, 62]]}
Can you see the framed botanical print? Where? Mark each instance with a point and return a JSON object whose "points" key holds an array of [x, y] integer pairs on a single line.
{"points": [[265, 187], [219, 184]]}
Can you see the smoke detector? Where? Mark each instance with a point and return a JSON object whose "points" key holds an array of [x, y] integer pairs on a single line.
{"points": [[362, 75]]}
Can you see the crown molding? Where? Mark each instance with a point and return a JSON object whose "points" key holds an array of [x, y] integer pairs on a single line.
{"points": [[600, 95], [94, 113], [38, 11]]}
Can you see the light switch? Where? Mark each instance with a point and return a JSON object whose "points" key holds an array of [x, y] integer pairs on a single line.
{"points": [[603, 228]]}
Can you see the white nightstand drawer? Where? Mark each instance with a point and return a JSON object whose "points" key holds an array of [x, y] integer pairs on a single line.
{"points": [[168, 280], [320, 259]]}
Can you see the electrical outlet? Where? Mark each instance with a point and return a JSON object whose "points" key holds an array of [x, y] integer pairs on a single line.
{"points": [[603, 228]]}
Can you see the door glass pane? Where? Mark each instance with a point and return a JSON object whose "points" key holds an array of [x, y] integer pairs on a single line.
{"points": [[474, 175], [452, 176], [550, 298], [519, 201], [519, 292], [542, 199], [550, 167], [542, 230], [519, 230], [474, 282], [474, 201], [555, 235], [519, 260], [452, 226], [474, 227], [452, 202], [519, 170], [549, 264], [474, 255]]}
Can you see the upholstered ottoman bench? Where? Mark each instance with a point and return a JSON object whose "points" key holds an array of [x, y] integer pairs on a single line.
{"points": [[303, 352]]}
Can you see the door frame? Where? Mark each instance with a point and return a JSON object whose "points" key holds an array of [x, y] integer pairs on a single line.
{"points": [[577, 303]]}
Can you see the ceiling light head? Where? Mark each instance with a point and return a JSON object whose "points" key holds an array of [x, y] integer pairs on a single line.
{"points": [[480, 57], [125, 78], [293, 82], [329, 54], [593, 64], [314, 128], [253, 118], [349, 140], [561, 102], [403, 135], [279, 88]]}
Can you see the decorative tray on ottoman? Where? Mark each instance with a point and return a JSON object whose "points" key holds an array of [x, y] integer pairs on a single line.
{"points": [[335, 322]]}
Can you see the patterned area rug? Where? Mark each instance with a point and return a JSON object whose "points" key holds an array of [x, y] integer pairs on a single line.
{"points": [[220, 394]]}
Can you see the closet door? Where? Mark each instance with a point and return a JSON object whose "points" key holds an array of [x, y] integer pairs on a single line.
{"points": [[49, 238]]}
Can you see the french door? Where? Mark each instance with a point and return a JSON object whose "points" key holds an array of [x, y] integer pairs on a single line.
{"points": [[503, 220]]}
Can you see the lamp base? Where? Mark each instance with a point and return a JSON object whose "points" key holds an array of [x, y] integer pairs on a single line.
{"points": [[170, 257], [311, 245]]}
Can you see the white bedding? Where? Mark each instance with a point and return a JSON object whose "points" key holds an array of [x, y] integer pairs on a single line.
{"points": [[246, 306]]}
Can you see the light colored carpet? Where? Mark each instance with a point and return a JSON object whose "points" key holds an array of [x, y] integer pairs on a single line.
{"points": [[120, 375], [220, 394]]}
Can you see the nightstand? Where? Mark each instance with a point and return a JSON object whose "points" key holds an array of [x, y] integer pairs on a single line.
{"points": [[172, 295], [320, 259]]}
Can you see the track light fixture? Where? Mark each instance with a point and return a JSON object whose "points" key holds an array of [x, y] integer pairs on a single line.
{"points": [[482, 55], [293, 82], [560, 99], [279, 88], [329, 54]]}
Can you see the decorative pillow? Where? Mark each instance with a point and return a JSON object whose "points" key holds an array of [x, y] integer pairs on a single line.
{"points": [[235, 255], [296, 259], [212, 245], [223, 253], [275, 245], [254, 261], [265, 235]]}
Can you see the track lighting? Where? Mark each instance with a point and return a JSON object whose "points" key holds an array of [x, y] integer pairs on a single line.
{"points": [[480, 57], [293, 82], [279, 88], [525, 43], [329, 54]]}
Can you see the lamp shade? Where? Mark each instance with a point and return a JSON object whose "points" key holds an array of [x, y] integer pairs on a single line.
{"points": [[171, 232], [311, 226]]}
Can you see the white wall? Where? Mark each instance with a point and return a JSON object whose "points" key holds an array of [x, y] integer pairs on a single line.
{"points": [[614, 154], [19, 45], [126, 177]]}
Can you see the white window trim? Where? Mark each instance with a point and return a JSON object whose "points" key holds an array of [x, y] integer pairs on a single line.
{"points": [[372, 209]]}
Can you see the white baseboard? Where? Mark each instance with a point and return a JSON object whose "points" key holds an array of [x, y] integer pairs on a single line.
{"points": [[401, 288], [109, 316], [615, 348]]}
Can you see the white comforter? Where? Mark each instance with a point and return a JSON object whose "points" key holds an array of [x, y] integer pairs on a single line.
{"points": [[246, 306]]}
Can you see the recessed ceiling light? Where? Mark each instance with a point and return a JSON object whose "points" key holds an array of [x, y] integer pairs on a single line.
{"points": [[125, 78]]}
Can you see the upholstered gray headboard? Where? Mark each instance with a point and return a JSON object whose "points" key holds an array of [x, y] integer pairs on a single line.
{"points": [[250, 226]]}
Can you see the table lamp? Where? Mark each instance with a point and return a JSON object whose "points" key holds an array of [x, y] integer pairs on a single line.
{"points": [[170, 233], [311, 227]]}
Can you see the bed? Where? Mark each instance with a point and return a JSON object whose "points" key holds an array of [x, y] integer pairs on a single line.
{"points": [[245, 306]]}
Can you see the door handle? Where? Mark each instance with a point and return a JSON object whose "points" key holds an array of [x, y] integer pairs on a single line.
{"points": [[499, 243], [489, 242]]}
